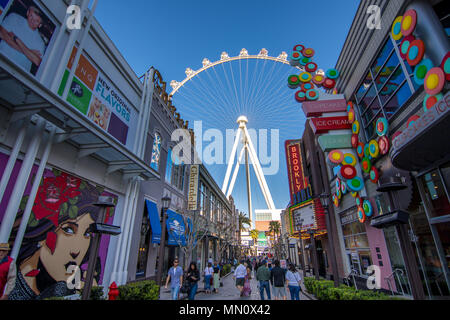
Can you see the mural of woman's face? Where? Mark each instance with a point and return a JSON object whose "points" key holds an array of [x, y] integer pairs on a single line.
{"points": [[72, 244]]}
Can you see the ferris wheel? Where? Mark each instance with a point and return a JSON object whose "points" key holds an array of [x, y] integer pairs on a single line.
{"points": [[254, 85]]}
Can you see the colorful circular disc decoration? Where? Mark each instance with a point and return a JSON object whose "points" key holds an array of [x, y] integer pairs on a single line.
{"points": [[332, 74], [383, 144], [339, 193], [305, 77], [367, 151], [329, 83], [409, 22], [360, 150], [348, 172], [349, 159], [312, 94], [421, 70], [304, 61], [344, 187], [397, 28], [382, 127], [434, 81], [374, 174], [361, 215], [355, 127], [354, 194], [367, 206], [445, 66], [430, 101], [318, 79], [338, 184], [299, 48], [336, 156], [335, 200], [358, 201], [355, 141], [404, 45], [411, 120], [307, 86], [311, 67], [351, 116], [296, 56], [374, 149], [366, 165], [415, 52], [349, 106], [300, 96], [308, 52], [356, 184], [293, 81]]}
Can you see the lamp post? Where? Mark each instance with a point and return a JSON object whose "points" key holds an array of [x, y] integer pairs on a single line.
{"points": [[325, 200], [165, 204], [104, 203]]}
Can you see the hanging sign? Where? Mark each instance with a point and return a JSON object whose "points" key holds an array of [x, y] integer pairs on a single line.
{"points": [[325, 124], [193, 187], [329, 142], [294, 159], [317, 108]]}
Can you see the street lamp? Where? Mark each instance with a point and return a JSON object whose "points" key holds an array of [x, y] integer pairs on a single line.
{"points": [[325, 200], [314, 253], [97, 228], [165, 204]]}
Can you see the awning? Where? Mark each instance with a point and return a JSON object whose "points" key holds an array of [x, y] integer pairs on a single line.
{"points": [[426, 140], [153, 215], [176, 229]]}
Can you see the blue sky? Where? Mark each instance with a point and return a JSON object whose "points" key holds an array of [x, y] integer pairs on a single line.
{"points": [[174, 35]]}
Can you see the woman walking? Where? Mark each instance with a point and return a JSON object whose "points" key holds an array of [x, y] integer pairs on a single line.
{"points": [[216, 277], [193, 275], [293, 280], [208, 277], [247, 288]]}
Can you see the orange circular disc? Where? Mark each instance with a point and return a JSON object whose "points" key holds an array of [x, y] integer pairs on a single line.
{"points": [[415, 53]]}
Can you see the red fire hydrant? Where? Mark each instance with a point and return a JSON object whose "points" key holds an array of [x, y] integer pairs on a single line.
{"points": [[113, 291]]}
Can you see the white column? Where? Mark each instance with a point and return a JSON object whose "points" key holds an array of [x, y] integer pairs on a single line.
{"points": [[30, 202], [22, 179], [141, 114], [115, 270], [13, 157], [236, 170], [231, 162]]}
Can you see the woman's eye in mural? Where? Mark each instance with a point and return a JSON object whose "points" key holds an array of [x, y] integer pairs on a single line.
{"points": [[70, 228], [88, 234]]}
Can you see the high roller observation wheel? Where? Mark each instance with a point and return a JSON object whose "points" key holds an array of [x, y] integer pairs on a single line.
{"points": [[224, 57]]}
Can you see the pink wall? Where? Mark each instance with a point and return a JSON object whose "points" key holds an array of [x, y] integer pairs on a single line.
{"points": [[377, 240]]}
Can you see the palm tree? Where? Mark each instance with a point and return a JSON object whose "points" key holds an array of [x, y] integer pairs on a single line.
{"points": [[275, 228], [243, 219]]}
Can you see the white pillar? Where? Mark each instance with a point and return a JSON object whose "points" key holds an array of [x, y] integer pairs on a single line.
{"points": [[22, 179], [30, 202], [231, 161], [13, 157]]}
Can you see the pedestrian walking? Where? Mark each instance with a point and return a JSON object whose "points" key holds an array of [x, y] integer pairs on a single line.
{"points": [[193, 275], [278, 279], [8, 272], [247, 290], [293, 280], [208, 273], [263, 276], [216, 277], [239, 276], [175, 276]]}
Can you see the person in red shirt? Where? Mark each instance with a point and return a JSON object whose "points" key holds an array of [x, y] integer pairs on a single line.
{"points": [[7, 272]]}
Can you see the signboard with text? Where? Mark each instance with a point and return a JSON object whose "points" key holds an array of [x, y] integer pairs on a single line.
{"points": [[193, 187], [317, 108], [296, 176], [325, 124]]}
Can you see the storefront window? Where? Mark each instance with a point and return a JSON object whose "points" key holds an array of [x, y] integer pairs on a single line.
{"points": [[435, 194], [385, 83], [443, 230]]}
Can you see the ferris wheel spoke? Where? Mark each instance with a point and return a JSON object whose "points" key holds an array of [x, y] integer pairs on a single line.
{"points": [[226, 97]]}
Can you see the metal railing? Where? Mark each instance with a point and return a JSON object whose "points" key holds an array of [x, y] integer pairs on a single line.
{"points": [[348, 279], [398, 274]]}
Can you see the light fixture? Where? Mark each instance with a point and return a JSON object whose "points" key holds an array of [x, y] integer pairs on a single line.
{"points": [[165, 201], [324, 199]]}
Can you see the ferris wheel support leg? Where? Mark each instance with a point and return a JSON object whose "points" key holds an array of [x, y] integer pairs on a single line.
{"points": [[236, 170], [249, 193], [231, 162], [259, 172]]}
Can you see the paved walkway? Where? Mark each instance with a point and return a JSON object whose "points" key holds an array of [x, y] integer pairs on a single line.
{"points": [[230, 292]]}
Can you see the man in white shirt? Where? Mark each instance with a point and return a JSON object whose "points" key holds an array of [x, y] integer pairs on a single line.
{"points": [[21, 40], [239, 275]]}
